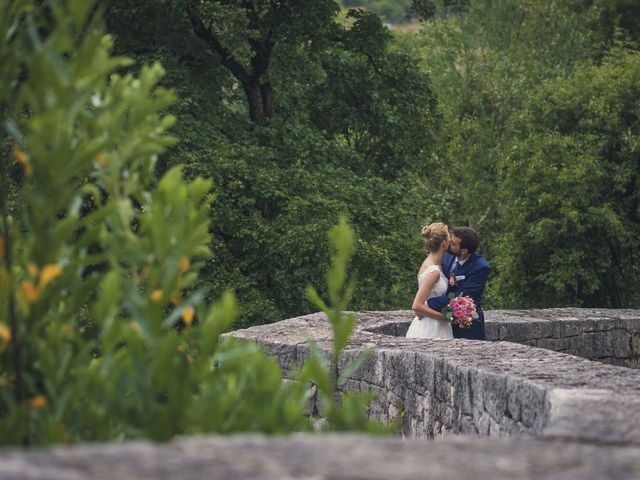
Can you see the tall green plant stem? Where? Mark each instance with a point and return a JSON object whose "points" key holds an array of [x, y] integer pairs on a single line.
{"points": [[13, 322]]}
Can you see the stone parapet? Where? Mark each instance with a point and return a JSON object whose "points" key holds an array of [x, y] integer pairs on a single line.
{"points": [[561, 416], [495, 388], [343, 457], [608, 336]]}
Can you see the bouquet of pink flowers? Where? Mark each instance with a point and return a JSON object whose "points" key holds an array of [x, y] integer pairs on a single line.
{"points": [[460, 311]]}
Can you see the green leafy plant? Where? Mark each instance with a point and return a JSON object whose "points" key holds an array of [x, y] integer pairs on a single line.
{"points": [[105, 332], [341, 409]]}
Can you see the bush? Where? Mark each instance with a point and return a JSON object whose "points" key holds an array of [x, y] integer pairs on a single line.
{"points": [[105, 331]]}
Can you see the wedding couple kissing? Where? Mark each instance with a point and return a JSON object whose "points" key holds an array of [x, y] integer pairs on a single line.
{"points": [[453, 267]]}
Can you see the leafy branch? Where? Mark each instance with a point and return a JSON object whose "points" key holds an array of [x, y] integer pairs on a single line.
{"points": [[342, 410]]}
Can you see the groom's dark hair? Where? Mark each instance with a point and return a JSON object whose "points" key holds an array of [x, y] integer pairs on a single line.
{"points": [[469, 238]]}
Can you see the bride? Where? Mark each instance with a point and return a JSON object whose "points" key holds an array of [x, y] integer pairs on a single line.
{"points": [[430, 323]]}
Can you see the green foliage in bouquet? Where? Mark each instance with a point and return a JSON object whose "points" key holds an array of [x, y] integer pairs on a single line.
{"points": [[104, 333]]}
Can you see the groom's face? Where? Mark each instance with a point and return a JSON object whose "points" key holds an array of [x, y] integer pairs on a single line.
{"points": [[454, 246]]}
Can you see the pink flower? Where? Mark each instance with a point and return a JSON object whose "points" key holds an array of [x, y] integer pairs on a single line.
{"points": [[461, 311]]}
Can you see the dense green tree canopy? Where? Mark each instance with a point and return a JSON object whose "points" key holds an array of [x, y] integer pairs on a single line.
{"points": [[355, 101], [487, 62], [356, 121], [570, 189], [392, 129], [244, 34]]}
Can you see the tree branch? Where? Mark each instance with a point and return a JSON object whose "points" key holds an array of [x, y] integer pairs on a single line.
{"points": [[262, 49], [226, 57]]}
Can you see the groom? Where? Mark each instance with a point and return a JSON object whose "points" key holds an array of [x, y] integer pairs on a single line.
{"points": [[467, 273]]}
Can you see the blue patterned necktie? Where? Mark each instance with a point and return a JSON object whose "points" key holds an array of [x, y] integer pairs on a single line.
{"points": [[456, 264]]}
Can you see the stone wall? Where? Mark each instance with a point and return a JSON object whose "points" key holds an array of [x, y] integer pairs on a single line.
{"points": [[495, 388], [608, 336], [565, 417], [326, 457]]}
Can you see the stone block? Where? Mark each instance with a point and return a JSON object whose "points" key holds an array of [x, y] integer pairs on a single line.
{"points": [[425, 374], [495, 394], [462, 390], [399, 367]]}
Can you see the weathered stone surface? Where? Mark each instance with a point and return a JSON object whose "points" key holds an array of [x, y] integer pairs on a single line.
{"points": [[595, 416], [496, 388], [608, 336], [584, 416], [326, 457]]}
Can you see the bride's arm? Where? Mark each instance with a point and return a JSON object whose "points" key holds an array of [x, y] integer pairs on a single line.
{"points": [[419, 307]]}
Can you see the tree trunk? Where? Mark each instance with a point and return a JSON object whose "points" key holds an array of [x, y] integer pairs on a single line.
{"points": [[268, 100], [254, 99], [260, 98]]}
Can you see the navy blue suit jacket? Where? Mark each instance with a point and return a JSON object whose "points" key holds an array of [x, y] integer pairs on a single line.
{"points": [[476, 272]]}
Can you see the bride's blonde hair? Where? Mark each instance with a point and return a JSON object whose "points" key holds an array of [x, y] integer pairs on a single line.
{"points": [[434, 235]]}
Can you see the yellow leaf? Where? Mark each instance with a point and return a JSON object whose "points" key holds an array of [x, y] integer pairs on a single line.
{"points": [[48, 273], [23, 159], [187, 315], [30, 291], [5, 336], [38, 402], [184, 264], [102, 159]]}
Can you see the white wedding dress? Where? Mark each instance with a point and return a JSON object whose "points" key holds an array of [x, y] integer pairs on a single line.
{"points": [[427, 327]]}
